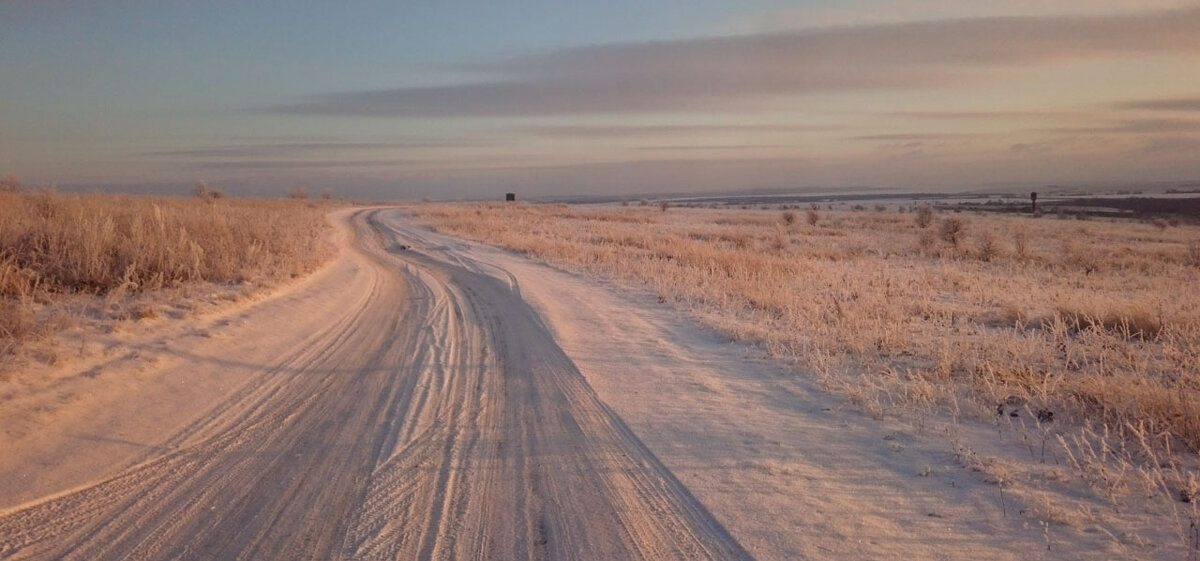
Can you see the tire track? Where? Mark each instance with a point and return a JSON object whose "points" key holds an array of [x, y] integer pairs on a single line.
{"points": [[434, 418]]}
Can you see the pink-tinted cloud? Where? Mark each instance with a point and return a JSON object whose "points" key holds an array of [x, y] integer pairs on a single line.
{"points": [[635, 131], [1175, 104], [726, 72], [1134, 126]]}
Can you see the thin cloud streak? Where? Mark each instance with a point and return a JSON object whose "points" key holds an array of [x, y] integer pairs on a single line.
{"points": [[294, 148], [911, 136], [976, 115], [1133, 126], [222, 165], [631, 131], [715, 147], [728, 72], [1177, 104], [1173, 145]]}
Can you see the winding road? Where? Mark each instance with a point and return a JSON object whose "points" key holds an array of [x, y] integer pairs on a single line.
{"points": [[433, 417]]}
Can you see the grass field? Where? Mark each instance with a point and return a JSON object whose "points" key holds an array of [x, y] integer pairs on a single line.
{"points": [[1097, 319], [1090, 324], [55, 247]]}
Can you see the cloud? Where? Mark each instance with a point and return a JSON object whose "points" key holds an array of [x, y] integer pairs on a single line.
{"points": [[1133, 126], [714, 147], [860, 12], [911, 136], [726, 72], [275, 150], [975, 115], [633, 131], [231, 165], [1173, 145], [1176, 104], [1032, 147]]}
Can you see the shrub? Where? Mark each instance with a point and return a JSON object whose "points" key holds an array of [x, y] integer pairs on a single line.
{"points": [[812, 216], [779, 241], [789, 217], [10, 184], [663, 205], [204, 191], [926, 240], [953, 230], [987, 246], [924, 216], [1021, 245]]}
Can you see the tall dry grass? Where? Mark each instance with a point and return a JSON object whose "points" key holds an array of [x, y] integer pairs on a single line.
{"points": [[1100, 320], [1090, 325], [54, 244]]}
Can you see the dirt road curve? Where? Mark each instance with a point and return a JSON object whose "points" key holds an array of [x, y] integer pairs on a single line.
{"points": [[436, 418]]}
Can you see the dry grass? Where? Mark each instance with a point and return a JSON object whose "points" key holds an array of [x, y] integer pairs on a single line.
{"points": [[55, 245], [1100, 321], [1093, 325]]}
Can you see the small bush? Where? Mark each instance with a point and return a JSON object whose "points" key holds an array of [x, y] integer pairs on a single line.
{"points": [[789, 217], [1021, 245], [663, 205], [10, 184], [926, 240], [812, 216], [779, 241], [924, 216], [987, 247], [953, 230], [203, 190]]}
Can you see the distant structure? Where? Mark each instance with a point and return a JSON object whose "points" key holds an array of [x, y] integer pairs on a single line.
{"points": [[1033, 199], [510, 197]]}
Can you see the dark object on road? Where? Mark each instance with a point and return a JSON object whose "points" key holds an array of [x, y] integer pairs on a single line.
{"points": [[510, 197]]}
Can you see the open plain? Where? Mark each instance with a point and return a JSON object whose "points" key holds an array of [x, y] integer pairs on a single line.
{"points": [[425, 397]]}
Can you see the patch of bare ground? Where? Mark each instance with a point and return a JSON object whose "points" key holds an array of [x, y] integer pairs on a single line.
{"points": [[1078, 341], [90, 263]]}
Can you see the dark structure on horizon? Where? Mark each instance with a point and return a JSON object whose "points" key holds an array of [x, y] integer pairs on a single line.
{"points": [[510, 197]]}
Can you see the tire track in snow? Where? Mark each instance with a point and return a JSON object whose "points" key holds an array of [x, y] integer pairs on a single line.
{"points": [[435, 418]]}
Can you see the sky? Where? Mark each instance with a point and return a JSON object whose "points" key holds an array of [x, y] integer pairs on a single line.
{"points": [[456, 99]]}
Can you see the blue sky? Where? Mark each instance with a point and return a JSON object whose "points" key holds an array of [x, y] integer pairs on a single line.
{"points": [[456, 99]]}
